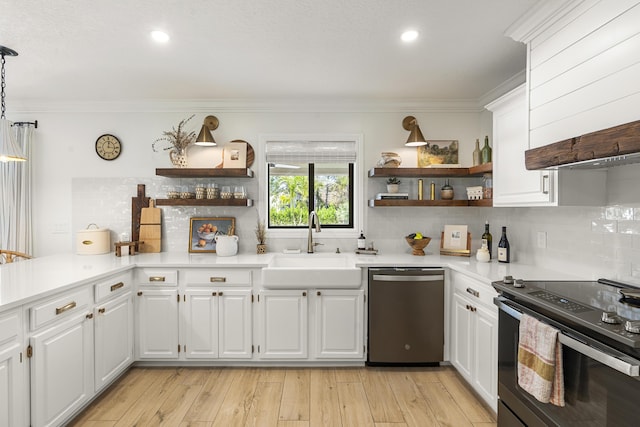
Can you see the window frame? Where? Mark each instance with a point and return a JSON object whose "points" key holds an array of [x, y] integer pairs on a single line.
{"points": [[357, 186]]}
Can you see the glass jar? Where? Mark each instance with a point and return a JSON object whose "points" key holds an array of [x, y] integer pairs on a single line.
{"points": [[487, 186]]}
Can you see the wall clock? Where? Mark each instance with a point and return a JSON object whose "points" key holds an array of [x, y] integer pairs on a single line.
{"points": [[108, 147]]}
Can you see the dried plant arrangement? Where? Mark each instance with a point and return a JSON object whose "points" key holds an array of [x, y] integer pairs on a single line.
{"points": [[178, 137], [261, 232]]}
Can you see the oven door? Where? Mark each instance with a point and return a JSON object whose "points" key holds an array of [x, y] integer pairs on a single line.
{"points": [[601, 384]]}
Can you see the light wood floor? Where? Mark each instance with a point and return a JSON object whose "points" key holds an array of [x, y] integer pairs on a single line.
{"points": [[288, 397]]}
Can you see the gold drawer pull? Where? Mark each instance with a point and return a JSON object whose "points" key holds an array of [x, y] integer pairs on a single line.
{"points": [[117, 286], [214, 279], [102, 310], [66, 307], [473, 292], [156, 279]]}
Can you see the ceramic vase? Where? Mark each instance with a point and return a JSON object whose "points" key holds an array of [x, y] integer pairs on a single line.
{"points": [[178, 157]]}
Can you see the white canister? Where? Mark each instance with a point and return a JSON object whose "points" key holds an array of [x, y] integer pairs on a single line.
{"points": [[93, 241], [226, 245]]}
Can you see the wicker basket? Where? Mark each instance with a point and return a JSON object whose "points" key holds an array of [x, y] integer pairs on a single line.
{"points": [[418, 245]]}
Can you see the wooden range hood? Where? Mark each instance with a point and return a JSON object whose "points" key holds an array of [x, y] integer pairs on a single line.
{"points": [[617, 141]]}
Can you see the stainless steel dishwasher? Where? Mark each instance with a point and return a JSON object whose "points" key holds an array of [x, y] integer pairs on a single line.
{"points": [[406, 316]]}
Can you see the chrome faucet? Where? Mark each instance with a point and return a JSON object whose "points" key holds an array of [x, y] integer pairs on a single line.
{"points": [[310, 244]]}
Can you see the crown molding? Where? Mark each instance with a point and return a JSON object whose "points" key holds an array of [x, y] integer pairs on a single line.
{"points": [[503, 88], [248, 106], [539, 18]]}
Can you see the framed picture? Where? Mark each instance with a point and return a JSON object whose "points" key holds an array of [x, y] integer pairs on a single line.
{"points": [[456, 240], [438, 153], [235, 155], [203, 232]]}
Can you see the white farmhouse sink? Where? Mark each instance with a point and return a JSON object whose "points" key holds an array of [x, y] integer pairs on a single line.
{"points": [[302, 271]]}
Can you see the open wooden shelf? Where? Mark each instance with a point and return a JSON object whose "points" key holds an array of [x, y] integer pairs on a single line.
{"points": [[204, 202], [473, 171], [204, 173], [427, 203]]}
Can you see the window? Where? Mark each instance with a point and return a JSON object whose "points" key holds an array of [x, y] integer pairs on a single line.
{"points": [[305, 176]]}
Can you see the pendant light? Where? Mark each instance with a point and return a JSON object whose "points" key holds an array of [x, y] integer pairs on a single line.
{"points": [[416, 138], [9, 149]]}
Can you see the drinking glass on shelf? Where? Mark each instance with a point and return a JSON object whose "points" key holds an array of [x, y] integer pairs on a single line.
{"points": [[239, 192], [213, 191], [225, 192]]}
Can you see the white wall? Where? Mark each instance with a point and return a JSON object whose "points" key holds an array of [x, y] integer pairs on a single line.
{"points": [[73, 187]]}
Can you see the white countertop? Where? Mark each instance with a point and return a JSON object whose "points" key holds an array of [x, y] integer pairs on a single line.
{"points": [[26, 281]]}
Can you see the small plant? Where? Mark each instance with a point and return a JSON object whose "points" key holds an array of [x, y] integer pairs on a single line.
{"points": [[261, 232], [178, 138], [393, 180]]}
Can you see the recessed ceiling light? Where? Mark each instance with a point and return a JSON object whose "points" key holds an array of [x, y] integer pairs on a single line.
{"points": [[409, 36], [160, 36]]}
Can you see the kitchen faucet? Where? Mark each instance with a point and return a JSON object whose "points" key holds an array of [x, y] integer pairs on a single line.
{"points": [[310, 244]]}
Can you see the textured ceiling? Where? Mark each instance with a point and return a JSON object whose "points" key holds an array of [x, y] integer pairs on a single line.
{"points": [[258, 49]]}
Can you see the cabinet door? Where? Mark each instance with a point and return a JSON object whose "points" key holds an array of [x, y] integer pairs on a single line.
{"points": [[235, 323], [113, 323], [158, 324], [485, 371], [200, 324], [461, 340], [339, 324], [11, 387], [283, 324], [513, 184], [61, 370]]}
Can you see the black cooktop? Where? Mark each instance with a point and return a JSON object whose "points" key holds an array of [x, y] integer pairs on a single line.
{"points": [[580, 303]]}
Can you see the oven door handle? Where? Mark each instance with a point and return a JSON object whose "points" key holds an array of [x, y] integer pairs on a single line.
{"points": [[622, 363]]}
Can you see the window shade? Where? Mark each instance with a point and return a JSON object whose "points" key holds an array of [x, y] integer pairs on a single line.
{"points": [[310, 151]]}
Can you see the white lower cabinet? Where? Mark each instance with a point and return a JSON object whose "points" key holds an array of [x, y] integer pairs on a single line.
{"points": [[216, 323], [12, 371], [113, 326], [61, 369], [336, 324], [474, 336], [157, 313]]}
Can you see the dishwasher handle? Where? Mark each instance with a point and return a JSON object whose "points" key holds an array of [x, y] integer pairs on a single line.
{"points": [[407, 278]]}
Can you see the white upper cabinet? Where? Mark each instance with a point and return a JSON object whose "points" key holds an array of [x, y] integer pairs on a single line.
{"points": [[583, 67]]}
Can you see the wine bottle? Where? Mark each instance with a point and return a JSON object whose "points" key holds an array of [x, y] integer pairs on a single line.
{"points": [[362, 241], [486, 151], [487, 238], [504, 252], [477, 156]]}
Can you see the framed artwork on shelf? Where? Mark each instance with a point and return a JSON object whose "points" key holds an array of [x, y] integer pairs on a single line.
{"points": [[235, 155], [203, 232], [456, 241], [438, 153]]}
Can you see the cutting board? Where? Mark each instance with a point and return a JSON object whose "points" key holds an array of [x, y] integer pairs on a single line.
{"points": [[151, 228]]}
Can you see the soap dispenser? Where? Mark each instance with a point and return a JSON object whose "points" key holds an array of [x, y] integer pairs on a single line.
{"points": [[362, 241]]}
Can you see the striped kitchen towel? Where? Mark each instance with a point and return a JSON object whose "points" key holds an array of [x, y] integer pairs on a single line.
{"points": [[540, 361]]}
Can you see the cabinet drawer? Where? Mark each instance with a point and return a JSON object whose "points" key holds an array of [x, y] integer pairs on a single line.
{"points": [[218, 277], [473, 289], [160, 277], [112, 287], [10, 327], [60, 307]]}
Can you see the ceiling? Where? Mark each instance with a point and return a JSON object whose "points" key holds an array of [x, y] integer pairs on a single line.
{"points": [[259, 49]]}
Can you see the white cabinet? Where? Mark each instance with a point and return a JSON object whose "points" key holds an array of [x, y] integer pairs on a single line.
{"points": [[216, 323], [13, 406], [157, 311], [339, 322], [513, 184], [331, 320], [283, 324], [474, 335], [113, 323], [61, 369]]}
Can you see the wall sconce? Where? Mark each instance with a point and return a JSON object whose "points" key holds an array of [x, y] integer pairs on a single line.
{"points": [[204, 137], [415, 136], [9, 149]]}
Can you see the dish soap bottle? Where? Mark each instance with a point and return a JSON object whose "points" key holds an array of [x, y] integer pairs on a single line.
{"points": [[362, 241], [486, 151], [477, 156], [504, 252]]}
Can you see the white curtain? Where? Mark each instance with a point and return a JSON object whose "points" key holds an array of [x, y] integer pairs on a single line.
{"points": [[15, 193]]}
